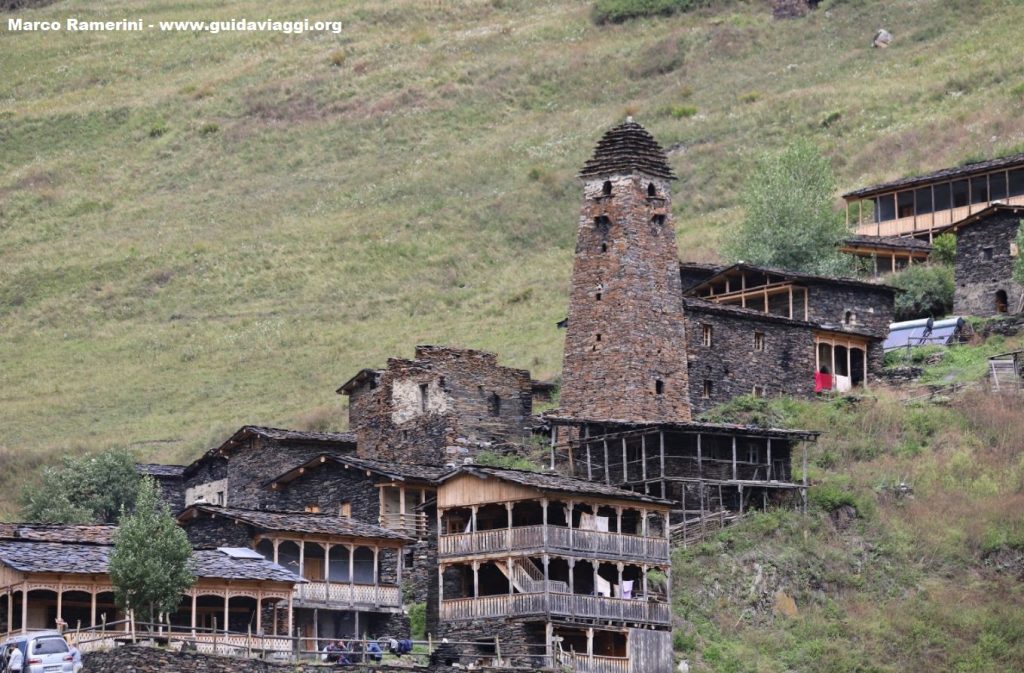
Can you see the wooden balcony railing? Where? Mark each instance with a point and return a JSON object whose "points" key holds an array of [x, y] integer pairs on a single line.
{"points": [[908, 225], [340, 593], [413, 525], [568, 605], [581, 663], [552, 538]]}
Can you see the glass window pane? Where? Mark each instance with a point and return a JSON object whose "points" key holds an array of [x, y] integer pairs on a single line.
{"points": [[997, 186], [923, 200], [942, 196], [885, 208], [960, 193], [979, 189], [1017, 182]]}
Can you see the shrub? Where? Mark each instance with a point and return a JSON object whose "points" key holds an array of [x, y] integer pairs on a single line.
{"points": [[617, 11], [418, 621], [944, 249], [830, 497], [209, 128], [927, 291], [337, 58], [682, 111], [158, 129], [84, 489]]}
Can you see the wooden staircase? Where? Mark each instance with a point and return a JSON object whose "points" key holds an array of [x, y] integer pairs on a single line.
{"points": [[527, 578]]}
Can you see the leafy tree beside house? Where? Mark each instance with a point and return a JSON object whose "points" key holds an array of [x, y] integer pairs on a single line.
{"points": [[790, 221], [151, 565], [84, 489], [1018, 267]]}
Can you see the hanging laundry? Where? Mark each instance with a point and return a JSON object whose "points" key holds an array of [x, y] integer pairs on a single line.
{"points": [[604, 587], [627, 589]]}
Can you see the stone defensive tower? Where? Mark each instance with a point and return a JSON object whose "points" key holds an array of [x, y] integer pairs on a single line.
{"points": [[625, 350]]}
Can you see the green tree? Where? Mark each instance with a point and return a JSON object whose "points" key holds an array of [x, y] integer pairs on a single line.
{"points": [[927, 291], [790, 222], [151, 565], [944, 249], [84, 489]]}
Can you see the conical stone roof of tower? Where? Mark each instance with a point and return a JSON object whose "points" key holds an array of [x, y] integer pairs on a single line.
{"points": [[626, 148]]}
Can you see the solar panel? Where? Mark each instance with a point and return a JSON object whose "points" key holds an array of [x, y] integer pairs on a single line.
{"points": [[240, 552]]}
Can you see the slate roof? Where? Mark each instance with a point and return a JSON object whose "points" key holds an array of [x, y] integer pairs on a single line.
{"points": [[94, 559], [160, 471], [294, 522], [794, 275], [348, 439], [551, 481], [938, 176], [982, 215], [891, 242], [42, 532], [396, 471], [626, 148], [361, 376]]}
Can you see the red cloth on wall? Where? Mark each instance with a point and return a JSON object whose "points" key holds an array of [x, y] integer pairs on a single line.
{"points": [[822, 382]]}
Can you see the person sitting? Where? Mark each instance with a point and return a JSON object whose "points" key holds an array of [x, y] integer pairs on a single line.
{"points": [[373, 649]]}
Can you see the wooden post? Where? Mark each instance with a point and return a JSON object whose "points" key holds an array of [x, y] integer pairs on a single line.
{"points": [[769, 472], [227, 603], [351, 574], [400, 564], [508, 512], [661, 450], [734, 472], [572, 568], [544, 520], [476, 579], [643, 459], [60, 602], [590, 469], [508, 566], [607, 472], [24, 607], [92, 608], [625, 462], [440, 586], [291, 616], [302, 558], [376, 575], [807, 305], [790, 301], [553, 449], [259, 613], [700, 458], [193, 613]]}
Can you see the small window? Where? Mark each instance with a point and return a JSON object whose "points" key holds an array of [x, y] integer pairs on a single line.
{"points": [[602, 221], [598, 337], [658, 220], [345, 510], [604, 247], [850, 318], [709, 389], [424, 397], [312, 509], [219, 498], [597, 296], [606, 188], [494, 404], [758, 392], [987, 253], [651, 189], [706, 335], [758, 341], [659, 387], [1002, 301]]}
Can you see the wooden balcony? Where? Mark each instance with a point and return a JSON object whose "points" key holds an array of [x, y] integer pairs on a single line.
{"points": [[413, 525], [555, 538], [343, 595], [582, 663], [562, 604], [918, 224]]}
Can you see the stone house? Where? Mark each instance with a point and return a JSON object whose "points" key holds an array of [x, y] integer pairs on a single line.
{"points": [[986, 253], [397, 497], [60, 572], [443, 406], [169, 479], [353, 571], [553, 571], [234, 472], [923, 206]]}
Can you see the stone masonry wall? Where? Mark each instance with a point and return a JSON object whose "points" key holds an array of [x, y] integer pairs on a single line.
{"points": [[208, 532], [141, 659], [978, 278], [786, 366], [443, 406], [873, 308], [522, 642], [328, 486], [625, 346], [260, 459]]}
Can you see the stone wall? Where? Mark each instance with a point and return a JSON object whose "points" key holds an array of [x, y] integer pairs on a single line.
{"points": [[522, 642], [872, 309], [445, 405], [327, 486], [979, 275], [141, 659], [625, 348], [208, 532], [785, 366]]}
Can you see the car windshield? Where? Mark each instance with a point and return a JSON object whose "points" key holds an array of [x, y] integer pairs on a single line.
{"points": [[49, 646]]}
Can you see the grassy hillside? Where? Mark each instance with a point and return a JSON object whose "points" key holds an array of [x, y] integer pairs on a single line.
{"points": [[199, 231]]}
